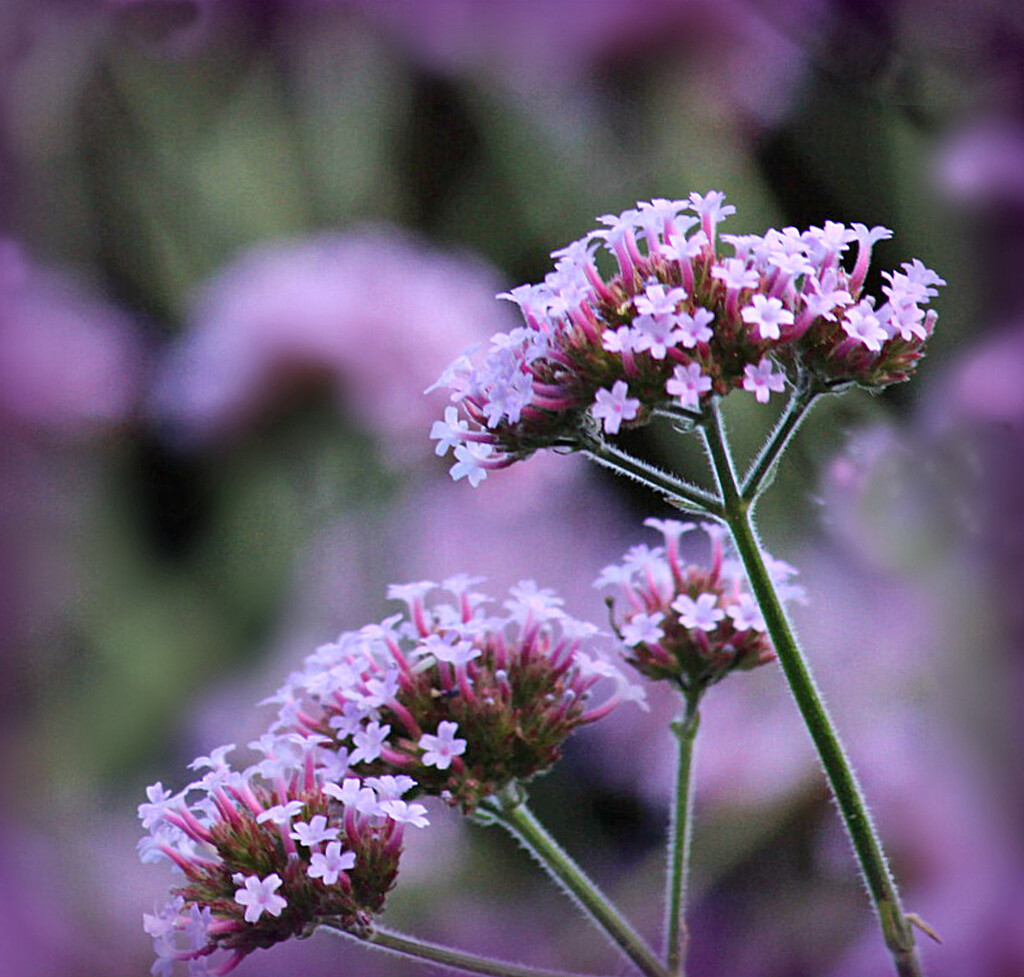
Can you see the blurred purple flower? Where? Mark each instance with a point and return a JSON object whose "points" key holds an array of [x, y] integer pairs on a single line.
{"points": [[374, 311], [70, 365], [959, 852], [986, 388], [983, 162], [946, 762]]}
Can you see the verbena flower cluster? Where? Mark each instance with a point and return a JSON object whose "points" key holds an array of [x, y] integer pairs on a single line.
{"points": [[686, 623], [676, 323], [447, 699], [269, 851], [460, 699]]}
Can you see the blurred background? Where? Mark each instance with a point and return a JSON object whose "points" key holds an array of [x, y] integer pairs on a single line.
{"points": [[238, 239]]}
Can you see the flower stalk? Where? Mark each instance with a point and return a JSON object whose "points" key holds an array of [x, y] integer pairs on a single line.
{"points": [[764, 465], [682, 494], [896, 927], [509, 809], [680, 831], [411, 946]]}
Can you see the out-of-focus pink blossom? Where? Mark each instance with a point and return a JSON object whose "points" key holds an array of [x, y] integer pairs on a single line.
{"points": [[69, 363], [983, 163], [375, 312], [988, 385]]}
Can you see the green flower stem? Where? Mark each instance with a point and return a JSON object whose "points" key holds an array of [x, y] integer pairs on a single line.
{"points": [[682, 493], [896, 928], [676, 413], [411, 946], [680, 829], [510, 811], [764, 464]]}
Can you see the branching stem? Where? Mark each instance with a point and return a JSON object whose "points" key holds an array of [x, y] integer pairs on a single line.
{"points": [[679, 492], [762, 467]]}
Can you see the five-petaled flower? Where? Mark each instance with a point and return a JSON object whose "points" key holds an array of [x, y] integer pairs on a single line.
{"points": [[439, 750], [260, 896], [615, 406]]}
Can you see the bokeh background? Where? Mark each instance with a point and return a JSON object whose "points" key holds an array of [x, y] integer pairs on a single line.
{"points": [[240, 238]]}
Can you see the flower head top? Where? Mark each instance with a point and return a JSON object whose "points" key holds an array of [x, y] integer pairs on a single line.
{"points": [[676, 322], [462, 700], [270, 851], [685, 623]]}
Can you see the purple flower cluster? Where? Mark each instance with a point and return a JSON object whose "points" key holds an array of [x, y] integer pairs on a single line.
{"points": [[675, 324], [689, 624], [449, 700], [462, 701], [268, 852]]}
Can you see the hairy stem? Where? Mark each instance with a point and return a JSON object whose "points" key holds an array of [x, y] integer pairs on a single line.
{"points": [[763, 466], [676, 413], [681, 493], [411, 946], [510, 811], [896, 928], [680, 830]]}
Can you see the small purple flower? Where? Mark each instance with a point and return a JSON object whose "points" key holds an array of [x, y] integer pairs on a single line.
{"points": [[369, 741], [702, 614], [448, 433], [687, 383], [762, 379], [259, 896], [404, 813], [643, 628], [328, 866], [615, 406], [470, 462], [655, 301], [746, 615], [439, 750], [695, 327], [861, 324], [767, 315], [735, 275], [313, 832]]}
